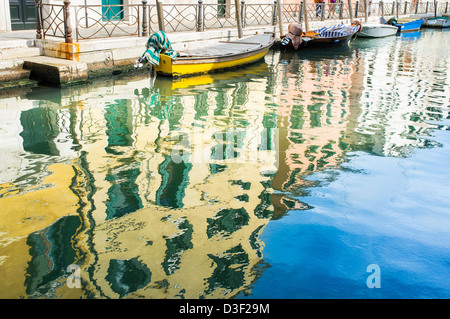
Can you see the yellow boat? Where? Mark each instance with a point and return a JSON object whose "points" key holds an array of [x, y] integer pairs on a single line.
{"points": [[224, 55]]}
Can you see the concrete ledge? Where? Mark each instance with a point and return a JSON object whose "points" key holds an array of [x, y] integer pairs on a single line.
{"points": [[56, 72]]}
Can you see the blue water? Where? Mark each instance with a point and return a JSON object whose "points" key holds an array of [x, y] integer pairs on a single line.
{"points": [[392, 212]]}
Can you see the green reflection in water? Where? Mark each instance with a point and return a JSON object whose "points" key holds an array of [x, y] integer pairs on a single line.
{"points": [[51, 251]]}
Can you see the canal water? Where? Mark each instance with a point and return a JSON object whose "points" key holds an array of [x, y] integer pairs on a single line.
{"points": [[317, 174]]}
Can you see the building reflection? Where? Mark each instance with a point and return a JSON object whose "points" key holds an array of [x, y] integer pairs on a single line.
{"points": [[162, 189], [173, 186]]}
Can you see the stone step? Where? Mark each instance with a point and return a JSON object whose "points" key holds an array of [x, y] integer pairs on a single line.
{"points": [[11, 64], [14, 74], [54, 71], [15, 43], [19, 52]]}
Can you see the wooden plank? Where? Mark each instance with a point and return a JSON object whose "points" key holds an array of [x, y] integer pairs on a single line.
{"points": [[241, 42]]}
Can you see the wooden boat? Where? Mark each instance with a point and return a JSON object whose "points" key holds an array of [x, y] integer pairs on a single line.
{"points": [[377, 30], [334, 35], [223, 55], [407, 23], [437, 22]]}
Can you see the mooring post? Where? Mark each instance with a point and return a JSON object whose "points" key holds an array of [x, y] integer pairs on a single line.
{"points": [[305, 15], [280, 17], [238, 18], [37, 4], [350, 11], [160, 12], [144, 18], [365, 11], [67, 24]]}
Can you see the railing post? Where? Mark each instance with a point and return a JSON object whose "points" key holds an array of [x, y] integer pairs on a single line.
{"points": [[274, 16], [446, 6], [356, 9], [322, 11], [393, 8], [67, 24], [144, 18], [435, 8], [341, 9], [160, 12], [38, 19], [381, 8], [417, 7], [406, 7], [200, 16], [426, 8], [243, 13]]}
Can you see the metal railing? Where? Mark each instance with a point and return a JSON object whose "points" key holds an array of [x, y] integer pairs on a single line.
{"points": [[97, 21], [103, 21]]}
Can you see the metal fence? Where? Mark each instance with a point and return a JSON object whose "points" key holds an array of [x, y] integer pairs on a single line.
{"points": [[103, 21]]}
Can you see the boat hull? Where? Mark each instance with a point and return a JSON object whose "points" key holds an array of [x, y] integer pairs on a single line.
{"points": [[441, 22], [409, 26], [377, 31], [327, 41], [195, 65]]}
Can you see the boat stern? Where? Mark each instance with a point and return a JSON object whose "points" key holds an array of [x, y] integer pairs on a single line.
{"points": [[165, 65]]}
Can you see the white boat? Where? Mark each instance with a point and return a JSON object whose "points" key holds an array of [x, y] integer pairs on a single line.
{"points": [[377, 30]]}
